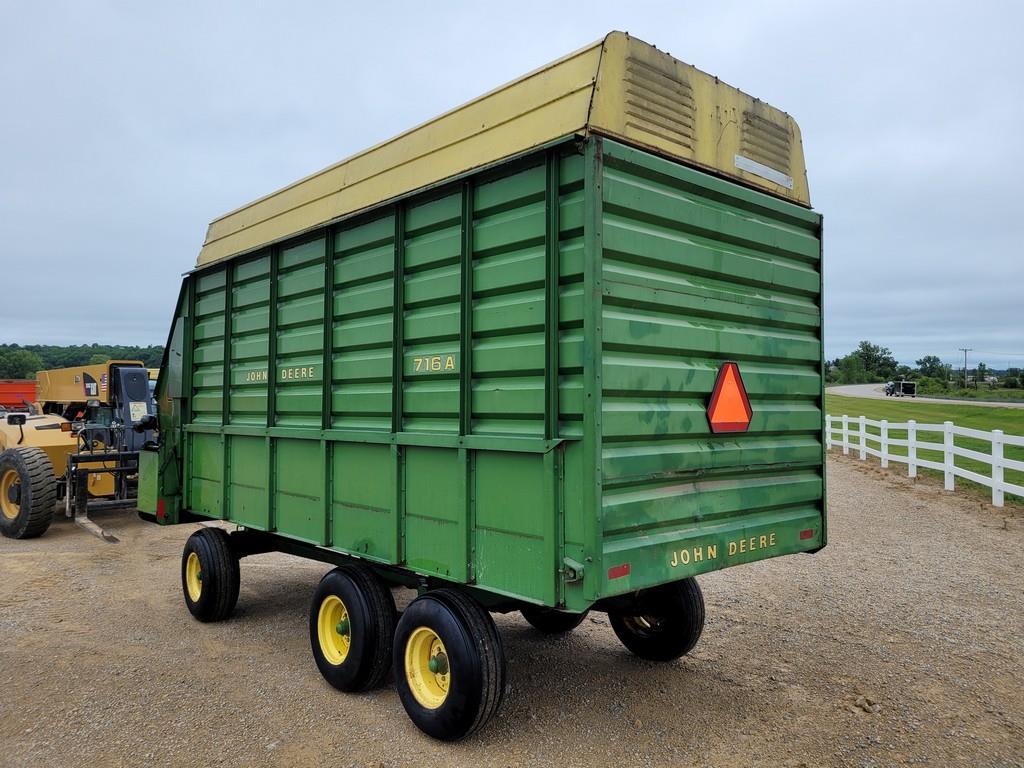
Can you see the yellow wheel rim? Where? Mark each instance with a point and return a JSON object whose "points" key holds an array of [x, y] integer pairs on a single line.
{"points": [[427, 669], [334, 630], [9, 487], [194, 577]]}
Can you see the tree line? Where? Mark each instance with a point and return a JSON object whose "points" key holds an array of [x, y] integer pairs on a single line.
{"points": [[22, 361], [872, 363]]}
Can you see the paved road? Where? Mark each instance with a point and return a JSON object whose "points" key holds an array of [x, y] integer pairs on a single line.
{"points": [[876, 392]]}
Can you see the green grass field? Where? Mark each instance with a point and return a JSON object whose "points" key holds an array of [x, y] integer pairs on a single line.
{"points": [[984, 395], [1010, 420]]}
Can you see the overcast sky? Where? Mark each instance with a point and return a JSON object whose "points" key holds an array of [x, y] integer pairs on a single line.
{"points": [[126, 127]]}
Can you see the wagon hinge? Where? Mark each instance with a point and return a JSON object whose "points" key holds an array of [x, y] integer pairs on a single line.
{"points": [[572, 570]]}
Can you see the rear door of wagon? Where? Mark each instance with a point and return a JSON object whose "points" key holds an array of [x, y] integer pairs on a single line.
{"points": [[697, 272]]}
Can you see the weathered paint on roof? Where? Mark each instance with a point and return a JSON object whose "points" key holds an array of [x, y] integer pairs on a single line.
{"points": [[619, 87]]}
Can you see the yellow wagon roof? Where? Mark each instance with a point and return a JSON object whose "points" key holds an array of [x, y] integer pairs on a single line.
{"points": [[619, 87]]}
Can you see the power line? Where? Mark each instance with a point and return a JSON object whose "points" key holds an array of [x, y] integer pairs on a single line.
{"points": [[1000, 354]]}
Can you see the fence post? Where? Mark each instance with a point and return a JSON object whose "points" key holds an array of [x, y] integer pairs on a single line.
{"points": [[846, 435], [997, 467], [948, 458], [828, 432], [863, 436], [912, 448], [884, 446]]}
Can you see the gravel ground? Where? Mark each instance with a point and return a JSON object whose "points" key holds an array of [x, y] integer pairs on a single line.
{"points": [[902, 643]]}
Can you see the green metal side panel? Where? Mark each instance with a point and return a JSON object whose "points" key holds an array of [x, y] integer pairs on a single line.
{"points": [[149, 470], [206, 473], [249, 344], [299, 356], [504, 380], [208, 348], [298, 490], [247, 468], [406, 386], [362, 331], [696, 271], [363, 504]]}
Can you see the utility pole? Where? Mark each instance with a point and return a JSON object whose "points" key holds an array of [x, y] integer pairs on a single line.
{"points": [[965, 350]]}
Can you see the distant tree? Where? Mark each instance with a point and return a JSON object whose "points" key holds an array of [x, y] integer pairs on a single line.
{"points": [[53, 356], [851, 369], [980, 373], [878, 362], [19, 364], [931, 366]]}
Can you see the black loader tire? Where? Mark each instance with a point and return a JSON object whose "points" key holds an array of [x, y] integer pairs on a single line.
{"points": [[666, 623], [30, 492], [357, 658], [219, 575]]}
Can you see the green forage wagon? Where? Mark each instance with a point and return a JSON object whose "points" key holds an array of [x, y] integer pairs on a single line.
{"points": [[557, 350]]}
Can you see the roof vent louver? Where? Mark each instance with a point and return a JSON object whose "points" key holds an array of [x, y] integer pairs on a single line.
{"points": [[766, 142], [659, 103]]}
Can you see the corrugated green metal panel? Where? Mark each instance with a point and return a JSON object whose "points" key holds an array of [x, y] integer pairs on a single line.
{"points": [[207, 373], [298, 365], [473, 361], [363, 330], [249, 342], [508, 304], [515, 312], [696, 271], [508, 362], [430, 312]]}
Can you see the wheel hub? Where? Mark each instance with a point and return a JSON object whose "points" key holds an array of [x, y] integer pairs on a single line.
{"points": [[426, 668], [193, 577], [438, 664], [10, 494], [334, 630]]}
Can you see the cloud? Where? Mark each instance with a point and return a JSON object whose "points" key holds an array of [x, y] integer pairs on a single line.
{"points": [[128, 127]]}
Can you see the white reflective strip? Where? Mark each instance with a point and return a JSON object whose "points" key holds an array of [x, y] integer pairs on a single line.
{"points": [[764, 171]]}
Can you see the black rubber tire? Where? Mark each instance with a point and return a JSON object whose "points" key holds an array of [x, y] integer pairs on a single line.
{"points": [[37, 492], [666, 624], [220, 574], [372, 617], [476, 658], [552, 622]]}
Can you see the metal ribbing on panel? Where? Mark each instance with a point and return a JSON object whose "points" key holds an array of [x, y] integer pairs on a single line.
{"points": [[398, 351], [551, 252], [326, 371], [466, 315], [229, 273], [275, 255]]}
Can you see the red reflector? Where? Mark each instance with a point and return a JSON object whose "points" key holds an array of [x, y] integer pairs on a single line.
{"points": [[161, 510], [618, 571], [729, 408], [808, 534]]}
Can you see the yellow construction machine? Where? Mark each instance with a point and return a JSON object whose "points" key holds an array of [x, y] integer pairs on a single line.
{"points": [[78, 444]]}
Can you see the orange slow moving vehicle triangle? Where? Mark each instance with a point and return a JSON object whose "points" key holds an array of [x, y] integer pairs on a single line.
{"points": [[729, 409]]}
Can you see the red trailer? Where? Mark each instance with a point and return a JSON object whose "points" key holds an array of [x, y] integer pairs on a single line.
{"points": [[14, 393]]}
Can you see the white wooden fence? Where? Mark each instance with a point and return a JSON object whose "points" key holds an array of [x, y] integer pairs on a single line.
{"points": [[879, 445]]}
